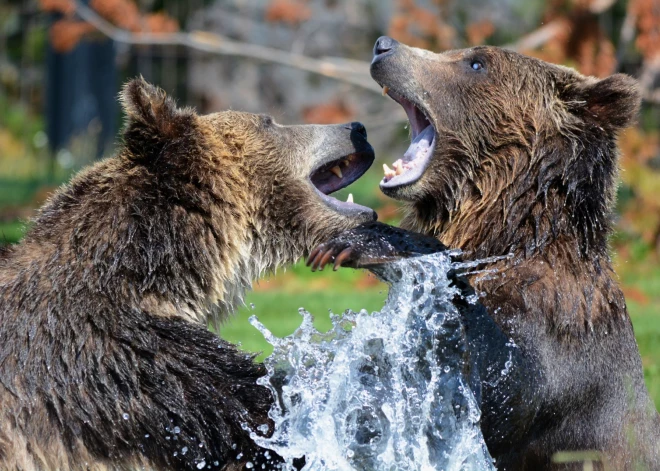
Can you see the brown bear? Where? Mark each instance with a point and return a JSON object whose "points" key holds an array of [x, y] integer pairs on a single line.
{"points": [[106, 362], [516, 158]]}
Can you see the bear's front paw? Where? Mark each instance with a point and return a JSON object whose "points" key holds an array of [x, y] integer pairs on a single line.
{"points": [[369, 245]]}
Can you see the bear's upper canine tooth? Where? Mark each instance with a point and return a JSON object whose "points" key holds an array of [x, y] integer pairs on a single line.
{"points": [[350, 198], [337, 171], [385, 90]]}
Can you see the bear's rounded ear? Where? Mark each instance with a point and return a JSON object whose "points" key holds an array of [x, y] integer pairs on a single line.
{"points": [[152, 118], [613, 102]]}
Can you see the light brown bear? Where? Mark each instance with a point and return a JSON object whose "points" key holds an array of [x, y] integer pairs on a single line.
{"points": [[106, 362]]}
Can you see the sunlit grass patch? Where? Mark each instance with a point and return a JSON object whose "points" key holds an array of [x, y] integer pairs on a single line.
{"points": [[278, 311], [11, 232]]}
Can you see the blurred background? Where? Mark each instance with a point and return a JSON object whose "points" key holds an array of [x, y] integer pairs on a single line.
{"points": [[62, 63]]}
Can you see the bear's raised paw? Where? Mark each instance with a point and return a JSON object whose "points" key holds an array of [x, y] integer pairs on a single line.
{"points": [[371, 244]]}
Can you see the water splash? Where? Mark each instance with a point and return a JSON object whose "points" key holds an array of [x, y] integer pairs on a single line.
{"points": [[386, 391]]}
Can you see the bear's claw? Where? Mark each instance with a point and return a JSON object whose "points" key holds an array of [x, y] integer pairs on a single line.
{"points": [[371, 244]]}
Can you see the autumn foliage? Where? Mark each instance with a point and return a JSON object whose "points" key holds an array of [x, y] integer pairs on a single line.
{"points": [[67, 32], [292, 12], [335, 111], [421, 27], [647, 16], [574, 35]]}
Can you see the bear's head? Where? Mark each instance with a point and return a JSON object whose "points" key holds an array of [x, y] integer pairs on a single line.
{"points": [[263, 185], [501, 140]]}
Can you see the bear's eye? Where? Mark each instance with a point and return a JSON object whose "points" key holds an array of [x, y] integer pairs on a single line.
{"points": [[476, 65]]}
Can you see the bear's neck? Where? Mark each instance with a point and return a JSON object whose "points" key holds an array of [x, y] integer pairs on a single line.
{"points": [[527, 204], [549, 224]]}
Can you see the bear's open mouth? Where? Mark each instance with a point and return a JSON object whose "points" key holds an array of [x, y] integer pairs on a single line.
{"points": [[416, 159], [339, 173]]}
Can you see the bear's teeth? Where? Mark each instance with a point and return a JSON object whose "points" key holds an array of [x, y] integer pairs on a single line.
{"points": [[350, 198], [398, 167], [388, 171], [337, 171], [385, 90]]}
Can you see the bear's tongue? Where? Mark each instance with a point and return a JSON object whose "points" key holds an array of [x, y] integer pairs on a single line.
{"points": [[420, 146], [415, 157]]}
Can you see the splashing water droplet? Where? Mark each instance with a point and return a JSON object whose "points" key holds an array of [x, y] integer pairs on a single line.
{"points": [[201, 464], [263, 428], [371, 393], [125, 416]]}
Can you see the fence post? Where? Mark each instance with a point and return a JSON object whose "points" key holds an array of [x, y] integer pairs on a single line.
{"points": [[81, 90]]}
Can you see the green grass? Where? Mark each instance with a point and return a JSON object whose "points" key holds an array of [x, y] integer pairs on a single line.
{"points": [[276, 302], [11, 232], [279, 312]]}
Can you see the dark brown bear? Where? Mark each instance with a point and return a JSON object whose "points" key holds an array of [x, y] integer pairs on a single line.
{"points": [[514, 157], [106, 362]]}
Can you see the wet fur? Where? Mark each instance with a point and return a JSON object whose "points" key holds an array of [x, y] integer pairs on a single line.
{"points": [[526, 167], [104, 305]]}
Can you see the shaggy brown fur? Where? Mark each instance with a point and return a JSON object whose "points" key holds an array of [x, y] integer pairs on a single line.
{"points": [[525, 166], [105, 359]]}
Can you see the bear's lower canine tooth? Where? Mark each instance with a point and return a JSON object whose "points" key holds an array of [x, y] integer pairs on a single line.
{"points": [[385, 90], [388, 171], [350, 198], [337, 171]]}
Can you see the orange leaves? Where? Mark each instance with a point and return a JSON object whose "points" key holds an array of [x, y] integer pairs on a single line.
{"points": [[292, 12], [580, 41], [66, 33], [125, 15], [594, 52], [478, 32], [421, 27], [332, 112], [640, 215], [121, 13], [647, 14], [159, 23]]}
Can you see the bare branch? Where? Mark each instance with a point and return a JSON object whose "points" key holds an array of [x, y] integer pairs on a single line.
{"points": [[335, 68]]}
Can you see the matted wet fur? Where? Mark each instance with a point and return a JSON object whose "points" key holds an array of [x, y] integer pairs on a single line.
{"points": [[106, 362], [523, 164]]}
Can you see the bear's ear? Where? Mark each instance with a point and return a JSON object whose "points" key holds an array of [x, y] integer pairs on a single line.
{"points": [[612, 102], [152, 118]]}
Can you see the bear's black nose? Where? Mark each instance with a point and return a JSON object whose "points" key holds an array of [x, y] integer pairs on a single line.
{"points": [[359, 128], [384, 44]]}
